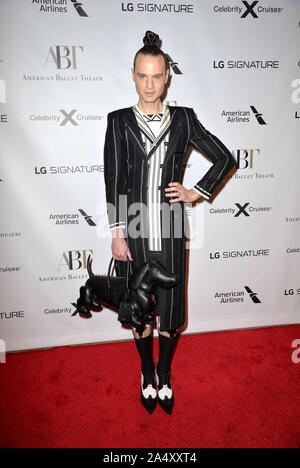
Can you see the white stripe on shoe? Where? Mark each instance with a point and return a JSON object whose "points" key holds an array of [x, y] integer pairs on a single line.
{"points": [[149, 391], [165, 391]]}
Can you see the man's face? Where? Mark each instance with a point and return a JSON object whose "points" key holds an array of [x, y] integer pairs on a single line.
{"points": [[150, 77]]}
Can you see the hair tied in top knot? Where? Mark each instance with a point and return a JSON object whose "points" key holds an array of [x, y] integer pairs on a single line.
{"points": [[151, 39]]}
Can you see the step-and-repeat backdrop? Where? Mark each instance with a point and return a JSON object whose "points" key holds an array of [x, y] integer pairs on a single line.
{"points": [[63, 66]]}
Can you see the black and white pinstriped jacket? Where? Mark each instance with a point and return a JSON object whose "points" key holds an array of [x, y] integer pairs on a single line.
{"points": [[123, 142]]}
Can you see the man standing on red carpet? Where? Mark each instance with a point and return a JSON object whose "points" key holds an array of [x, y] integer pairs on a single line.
{"points": [[145, 145]]}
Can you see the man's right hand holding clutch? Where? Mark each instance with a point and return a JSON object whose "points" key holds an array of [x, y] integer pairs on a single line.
{"points": [[119, 246]]}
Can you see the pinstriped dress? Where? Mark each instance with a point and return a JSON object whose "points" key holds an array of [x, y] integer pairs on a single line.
{"points": [[155, 133]]}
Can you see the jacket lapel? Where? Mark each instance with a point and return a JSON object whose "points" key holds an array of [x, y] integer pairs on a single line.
{"points": [[174, 133], [135, 131]]}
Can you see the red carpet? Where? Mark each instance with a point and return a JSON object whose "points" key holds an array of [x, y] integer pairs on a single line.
{"points": [[232, 389]]}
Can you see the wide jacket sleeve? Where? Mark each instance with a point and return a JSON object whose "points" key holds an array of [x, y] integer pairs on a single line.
{"points": [[211, 147], [114, 173]]}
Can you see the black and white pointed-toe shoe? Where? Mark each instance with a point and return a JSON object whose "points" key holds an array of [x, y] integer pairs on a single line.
{"points": [[165, 392], [148, 391]]}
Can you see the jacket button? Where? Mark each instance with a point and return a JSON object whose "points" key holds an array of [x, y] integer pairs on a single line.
{"points": [[159, 187], [161, 165], [129, 190], [130, 166]]}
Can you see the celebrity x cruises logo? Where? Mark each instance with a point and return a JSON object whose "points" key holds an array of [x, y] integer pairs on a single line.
{"points": [[258, 8], [249, 9]]}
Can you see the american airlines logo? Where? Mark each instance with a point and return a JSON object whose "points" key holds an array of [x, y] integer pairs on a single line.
{"points": [[174, 65], [87, 217], [78, 8], [242, 116], [229, 297], [258, 116], [61, 6], [62, 219], [253, 295]]}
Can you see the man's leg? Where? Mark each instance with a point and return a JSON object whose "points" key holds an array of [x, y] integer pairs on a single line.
{"points": [[144, 346], [167, 343]]}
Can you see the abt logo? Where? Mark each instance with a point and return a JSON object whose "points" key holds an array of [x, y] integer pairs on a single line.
{"points": [[75, 259], [296, 354], [63, 56], [245, 157]]}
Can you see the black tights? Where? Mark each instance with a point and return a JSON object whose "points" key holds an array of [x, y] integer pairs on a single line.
{"points": [[166, 349]]}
